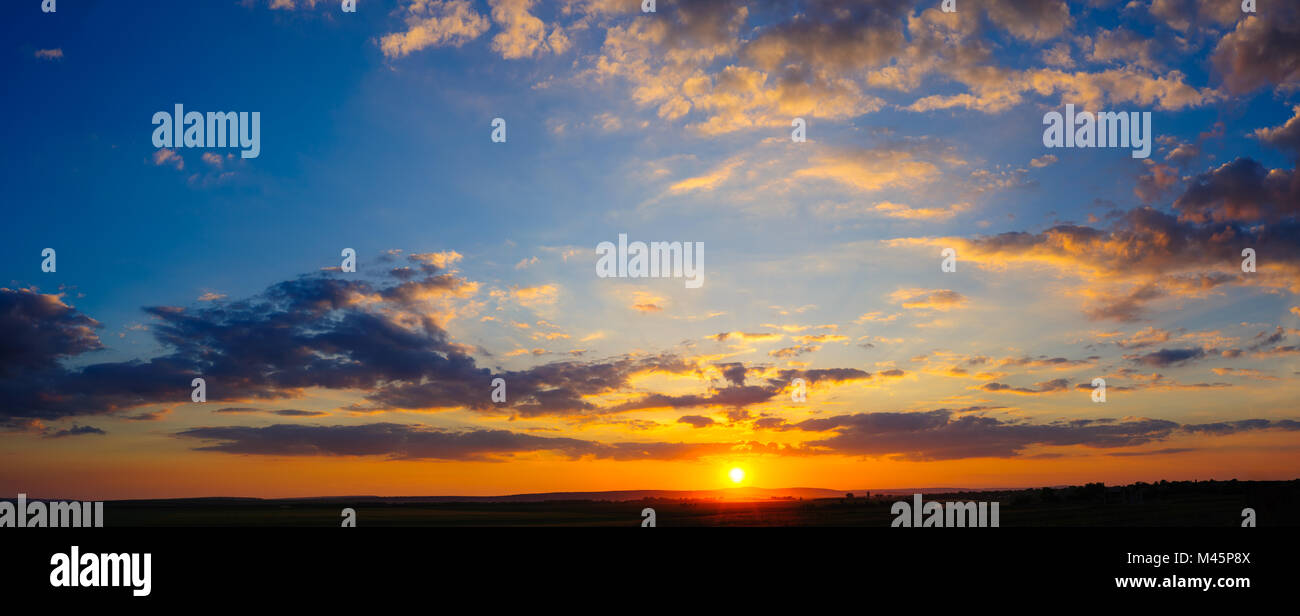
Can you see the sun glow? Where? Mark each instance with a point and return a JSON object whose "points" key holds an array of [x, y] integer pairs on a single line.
{"points": [[737, 475]]}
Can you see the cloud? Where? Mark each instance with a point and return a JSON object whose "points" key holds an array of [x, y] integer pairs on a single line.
{"points": [[696, 421], [1043, 161], [411, 442], [747, 336], [869, 170], [905, 212], [1261, 51], [315, 331], [706, 182], [441, 260], [238, 409], [289, 5], [38, 330], [1147, 255], [1181, 15], [1031, 20], [1168, 357], [76, 431], [1241, 190], [928, 299], [1045, 387], [536, 296], [794, 351], [669, 62], [1144, 338], [1286, 137], [522, 34], [928, 435], [995, 90], [164, 156], [434, 23], [1126, 46], [947, 435]]}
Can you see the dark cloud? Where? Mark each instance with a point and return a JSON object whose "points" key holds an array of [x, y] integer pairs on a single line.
{"points": [[1261, 51], [1044, 387], [298, 413], [556, 389], [794, 351], [1032, 20], [944, 435], [733, 396], [696, 421], [941, 434], [318, 331], [733, 372], [311, 332], [1168, 357], [1153, 452], [1244, 425], [832, 36], [827, 375], [408, 442], [75, 431], [937, 435], [1148, 254], [1241, 190], [37, 330], [1148, 241], [1285, 137]]}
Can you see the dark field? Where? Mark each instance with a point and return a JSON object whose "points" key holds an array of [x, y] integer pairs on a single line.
{"points": [[1195, 504]]}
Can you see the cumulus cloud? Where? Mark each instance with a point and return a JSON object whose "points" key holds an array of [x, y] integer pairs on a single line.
{"points": [[1286, 137], [1261, 51], [1147, 255], [522, 34], [435, 23]]}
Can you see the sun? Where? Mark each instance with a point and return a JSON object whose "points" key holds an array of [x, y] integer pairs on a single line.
{"points": [[737, 475]]}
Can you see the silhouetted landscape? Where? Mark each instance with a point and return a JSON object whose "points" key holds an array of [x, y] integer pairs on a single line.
{"points": [[1164, 503]]}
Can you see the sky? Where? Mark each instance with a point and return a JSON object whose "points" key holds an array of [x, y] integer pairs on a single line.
{"points": [[879, 213]]}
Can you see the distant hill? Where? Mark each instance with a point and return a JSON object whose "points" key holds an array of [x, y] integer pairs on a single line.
{"points": [[727, 494], [724, 494]]}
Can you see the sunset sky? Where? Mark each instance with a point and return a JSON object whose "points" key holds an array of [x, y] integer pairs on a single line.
{"points": [[477, 260]]}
